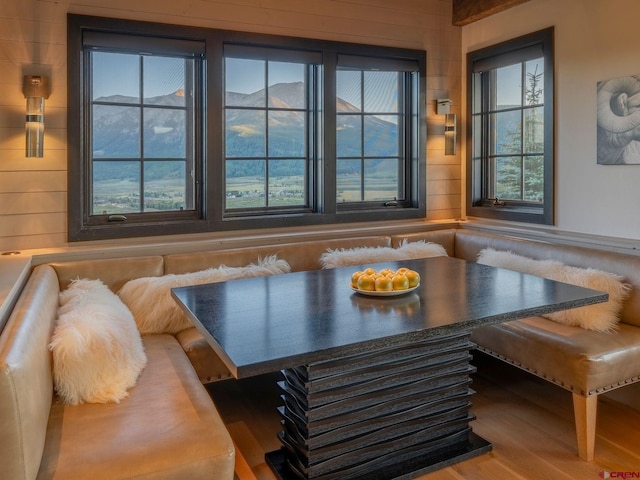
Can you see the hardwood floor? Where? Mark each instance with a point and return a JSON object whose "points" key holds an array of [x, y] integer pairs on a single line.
{"points": [[528, 420]]}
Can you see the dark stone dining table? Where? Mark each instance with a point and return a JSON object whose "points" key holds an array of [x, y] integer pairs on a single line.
{"points": [[373, 387]]}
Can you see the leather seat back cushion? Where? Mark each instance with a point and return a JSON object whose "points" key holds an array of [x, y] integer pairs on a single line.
{"points": [[445, 237], [366, 255], [26, 384], [301, 256], [177, 432], [469, 243], [114, 272]]}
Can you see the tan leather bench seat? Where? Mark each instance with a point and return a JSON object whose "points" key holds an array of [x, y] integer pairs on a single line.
{"points": [[206, 362], [585, 362], [165, 429], [579, 360]]}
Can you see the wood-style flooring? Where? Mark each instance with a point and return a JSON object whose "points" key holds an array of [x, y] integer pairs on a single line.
{"points": [[528, 420]]}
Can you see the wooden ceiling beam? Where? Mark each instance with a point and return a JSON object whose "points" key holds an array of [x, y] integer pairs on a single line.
{"points": [[469, 11]]}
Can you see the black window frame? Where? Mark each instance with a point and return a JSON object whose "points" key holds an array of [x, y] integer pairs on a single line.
{"points": [[408, 122], [209, 214], [311, 111], [193, 108], [481, 202]]}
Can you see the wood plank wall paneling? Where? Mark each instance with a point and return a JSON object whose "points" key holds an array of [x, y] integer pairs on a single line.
{"points": [[33, 41]]}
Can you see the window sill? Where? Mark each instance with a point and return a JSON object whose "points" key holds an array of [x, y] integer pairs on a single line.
{"points": [[537, 215]]}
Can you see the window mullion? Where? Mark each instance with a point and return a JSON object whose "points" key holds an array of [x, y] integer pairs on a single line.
{"points": [[362, 126], [266, 134], [523, 82], [191, 137], [488, 163], [142, 149]]}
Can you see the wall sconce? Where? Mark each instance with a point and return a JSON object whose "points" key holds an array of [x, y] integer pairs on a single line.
{"points": [[35, 89], [450, 134], [443, 107]]}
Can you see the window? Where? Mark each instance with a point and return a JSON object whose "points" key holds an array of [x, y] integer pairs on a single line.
{"points": [[142, 155], [510, 159], [270, 113], [374, 123], [178, 129]]}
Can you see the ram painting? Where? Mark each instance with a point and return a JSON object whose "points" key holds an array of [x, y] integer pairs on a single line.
{"points": [[619, 121]]}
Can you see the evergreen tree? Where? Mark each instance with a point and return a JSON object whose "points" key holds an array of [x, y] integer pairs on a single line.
{"points": [[519, 177]]}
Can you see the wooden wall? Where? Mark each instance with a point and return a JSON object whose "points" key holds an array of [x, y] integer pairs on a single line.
{"points": [[33, 41]]}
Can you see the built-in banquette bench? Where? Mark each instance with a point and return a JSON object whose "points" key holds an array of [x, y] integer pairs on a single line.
{"points": [[585, 362], [167, 427]]}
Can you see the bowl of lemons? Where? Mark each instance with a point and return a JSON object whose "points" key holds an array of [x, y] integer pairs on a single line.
{"points": [[386, 282]]}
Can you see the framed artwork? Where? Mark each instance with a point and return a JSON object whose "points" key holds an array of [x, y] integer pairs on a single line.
{"points": [[619, 121]]}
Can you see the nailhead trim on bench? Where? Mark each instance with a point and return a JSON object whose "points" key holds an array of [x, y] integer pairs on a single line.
{"points": [[558, 382]]}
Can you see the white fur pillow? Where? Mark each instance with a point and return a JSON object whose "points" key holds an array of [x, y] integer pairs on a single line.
{"points": [[97, 350], [361, 255], [155, 311], [602, 317]]}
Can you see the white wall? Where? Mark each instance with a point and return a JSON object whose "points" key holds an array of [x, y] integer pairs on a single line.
{"points": [[594, 40], [33, 202]]}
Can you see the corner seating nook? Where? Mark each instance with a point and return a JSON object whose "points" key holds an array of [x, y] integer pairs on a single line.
{"points": [[585, 362], [169, 428]]}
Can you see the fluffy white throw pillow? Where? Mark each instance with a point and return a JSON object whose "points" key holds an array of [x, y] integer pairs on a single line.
{"points": [[155, 311], [97, 349], [602, 317], [362, 255]]}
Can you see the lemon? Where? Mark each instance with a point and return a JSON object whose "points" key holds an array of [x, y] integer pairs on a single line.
{"points": [[400, 282], [384, 284], [413, 277], [366, 282], [354, 278]]}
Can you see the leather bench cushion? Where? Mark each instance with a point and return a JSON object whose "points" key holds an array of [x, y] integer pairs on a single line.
{"points": [[302, 256], [583, 361], [445, 237], [167, 428], [469, 243], [26, 384], [114, 272], [205, 361], [305, 256]]}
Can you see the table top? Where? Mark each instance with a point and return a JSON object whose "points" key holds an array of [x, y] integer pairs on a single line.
{"points": [[264, 324]]}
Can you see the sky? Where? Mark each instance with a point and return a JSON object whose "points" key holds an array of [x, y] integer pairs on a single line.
{"points": [[119, 74]]}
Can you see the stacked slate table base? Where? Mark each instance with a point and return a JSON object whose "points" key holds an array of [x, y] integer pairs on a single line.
{"points": [[386, 414]]}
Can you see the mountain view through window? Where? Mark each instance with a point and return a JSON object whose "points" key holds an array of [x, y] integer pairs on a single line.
{"points": [[176, 129], [142, 160], [270, 142]]}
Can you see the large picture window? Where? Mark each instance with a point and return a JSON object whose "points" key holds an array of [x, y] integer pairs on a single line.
{"points": [[142, 131], [511, 134], [177, 129], [368, 136], [269, 113]]}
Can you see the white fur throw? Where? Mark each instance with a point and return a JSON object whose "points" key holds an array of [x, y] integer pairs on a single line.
{"points": [[97, 350], [602, 317], [155, 311], [362, 255]]}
